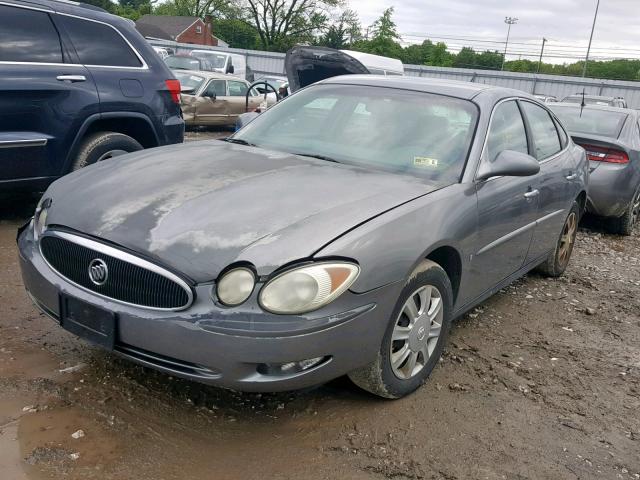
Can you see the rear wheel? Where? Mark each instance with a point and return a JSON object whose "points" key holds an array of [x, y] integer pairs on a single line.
{"points": [[415, 337], [103, 146], [558, 260], [625, 224]]}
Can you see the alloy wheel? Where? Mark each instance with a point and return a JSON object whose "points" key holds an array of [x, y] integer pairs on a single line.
{"points": [[567, 238], [635, 208], [416, 332]]}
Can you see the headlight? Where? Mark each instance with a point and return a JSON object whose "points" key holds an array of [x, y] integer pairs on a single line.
{"points": [[40, 217], [235, 286], [307, 288]]}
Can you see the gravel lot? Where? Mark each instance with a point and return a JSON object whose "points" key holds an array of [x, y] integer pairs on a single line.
{"points": [[541, 381]]}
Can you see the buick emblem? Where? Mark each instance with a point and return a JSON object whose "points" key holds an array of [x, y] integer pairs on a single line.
{"points": [[98, 271]]}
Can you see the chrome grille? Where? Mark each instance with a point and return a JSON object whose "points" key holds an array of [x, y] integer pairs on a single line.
{"points": [[129, 279]]}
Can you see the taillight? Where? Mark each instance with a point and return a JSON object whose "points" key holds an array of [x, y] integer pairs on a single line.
{"points": [[173, 86], [604, 154]]}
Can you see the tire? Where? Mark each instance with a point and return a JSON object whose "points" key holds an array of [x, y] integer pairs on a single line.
{"points": [[384, 379], [101, 146], [625, 224], [558, 260]]}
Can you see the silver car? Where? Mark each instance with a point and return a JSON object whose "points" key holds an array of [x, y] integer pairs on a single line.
{"points": [[340, 232]]}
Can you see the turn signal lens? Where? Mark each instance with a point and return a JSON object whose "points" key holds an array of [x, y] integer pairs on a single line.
{"points": [[236, 286], [308, 288], [604, 154]]}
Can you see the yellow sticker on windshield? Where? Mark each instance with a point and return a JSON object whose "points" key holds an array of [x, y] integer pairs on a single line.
{"points": [[425, 162]]}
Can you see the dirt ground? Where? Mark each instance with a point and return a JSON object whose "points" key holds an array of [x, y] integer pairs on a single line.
{"points": [[540, 382]]}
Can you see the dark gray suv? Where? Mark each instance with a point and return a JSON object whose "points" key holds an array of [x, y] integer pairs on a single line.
{"points": [[78, 85]]}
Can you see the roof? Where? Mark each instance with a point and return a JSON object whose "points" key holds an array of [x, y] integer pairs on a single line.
{"points": [[210, 75], [164, 26], [465, 90]]}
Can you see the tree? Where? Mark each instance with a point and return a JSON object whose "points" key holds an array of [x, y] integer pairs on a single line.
{"points": [[466, 58], [384, 39], [343, 32], [384, 28], [192, 8], [283, 23], [237, 33]]}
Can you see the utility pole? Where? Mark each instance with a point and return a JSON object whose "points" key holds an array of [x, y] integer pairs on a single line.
{"points": [[544, 40], [593, 27], [509, 21]]}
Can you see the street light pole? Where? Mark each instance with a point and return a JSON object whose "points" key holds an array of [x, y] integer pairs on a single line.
{"points": [[509, 21], [593, 27], [544, 40]]}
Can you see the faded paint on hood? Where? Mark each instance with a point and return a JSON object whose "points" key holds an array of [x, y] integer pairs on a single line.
{"points": [[199, 207]]}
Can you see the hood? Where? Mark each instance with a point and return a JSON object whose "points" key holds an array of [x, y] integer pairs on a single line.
{"points": [[307, 65], [201, 206]]}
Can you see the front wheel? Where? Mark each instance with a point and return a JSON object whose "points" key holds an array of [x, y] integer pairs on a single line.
{"points": [[558, 260], [415, 337]]}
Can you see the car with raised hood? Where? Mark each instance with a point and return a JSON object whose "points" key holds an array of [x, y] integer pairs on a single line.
{"points": [[611, 138], [338, 233], [216, 99], [77, 86]]}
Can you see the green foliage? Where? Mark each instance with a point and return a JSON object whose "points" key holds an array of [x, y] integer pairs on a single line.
{"points": [[237, 33], [342, 33]]}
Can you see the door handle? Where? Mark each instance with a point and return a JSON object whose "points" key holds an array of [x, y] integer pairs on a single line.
{"points": [[532, 194], [571, 176], [71, 78]]}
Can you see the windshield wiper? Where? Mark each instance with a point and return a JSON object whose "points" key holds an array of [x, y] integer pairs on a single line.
{"points": [[318, 156], [239, 141]]}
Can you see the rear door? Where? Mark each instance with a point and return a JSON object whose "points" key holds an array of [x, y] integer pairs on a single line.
{"points": [[507, 206], [556, 180], [44, 97]]}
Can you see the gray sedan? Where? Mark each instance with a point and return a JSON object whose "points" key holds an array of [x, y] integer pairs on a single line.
{"points": [[611, 137], [340, 232]]}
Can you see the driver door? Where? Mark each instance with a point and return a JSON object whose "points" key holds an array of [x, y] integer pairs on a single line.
{"points": [[212, 105], [507, 206]]}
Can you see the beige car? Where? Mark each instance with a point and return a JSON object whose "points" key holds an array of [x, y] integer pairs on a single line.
{"points": [[211, 98]]}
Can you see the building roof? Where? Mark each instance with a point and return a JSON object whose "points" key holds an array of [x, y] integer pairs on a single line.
{"points": [[163, 26]]}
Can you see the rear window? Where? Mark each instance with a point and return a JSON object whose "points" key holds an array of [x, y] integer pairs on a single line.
{"points": [[28, 36], [595, 122], [99, 44], [182, 63]]}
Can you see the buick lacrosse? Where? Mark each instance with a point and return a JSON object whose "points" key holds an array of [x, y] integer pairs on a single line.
{"points": [[340, 232]]}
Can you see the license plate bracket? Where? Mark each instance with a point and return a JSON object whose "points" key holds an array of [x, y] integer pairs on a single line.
{"points": [[88, 321]]}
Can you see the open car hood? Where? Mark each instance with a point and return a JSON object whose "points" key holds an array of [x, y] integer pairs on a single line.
{"points": [[307, 65]]}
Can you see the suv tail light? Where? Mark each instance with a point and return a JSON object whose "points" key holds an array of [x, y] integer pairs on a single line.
{"points": [[604, 154], [173, 86]]}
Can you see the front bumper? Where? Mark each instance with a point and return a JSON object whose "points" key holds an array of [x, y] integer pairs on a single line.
{"points": [[225, 347], [611, 189]]}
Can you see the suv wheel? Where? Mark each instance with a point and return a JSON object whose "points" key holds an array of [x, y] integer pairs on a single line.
{"points": [[102, 146], [415, 337]]}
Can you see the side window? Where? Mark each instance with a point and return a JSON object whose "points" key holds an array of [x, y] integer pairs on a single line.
{"points": [[545, 135], [237, 89], [564, 139], [28, 36], [217, 88], [507, 131], [99, 44]]}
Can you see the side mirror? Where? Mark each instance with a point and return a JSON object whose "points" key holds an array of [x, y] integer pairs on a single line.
{"points": [[509, 163], [230, 68], [211, 96]]}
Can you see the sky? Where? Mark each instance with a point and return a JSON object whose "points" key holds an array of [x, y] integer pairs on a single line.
{"points": [[480, 23]]}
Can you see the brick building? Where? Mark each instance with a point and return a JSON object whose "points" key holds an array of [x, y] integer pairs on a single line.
{"points": [[179, 29]]}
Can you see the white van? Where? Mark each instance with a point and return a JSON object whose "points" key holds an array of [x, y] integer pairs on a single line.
{"points": [[224, 62], [377, 64]]}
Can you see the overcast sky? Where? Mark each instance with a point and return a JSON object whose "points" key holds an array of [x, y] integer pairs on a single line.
{"points": [[565, 23]]}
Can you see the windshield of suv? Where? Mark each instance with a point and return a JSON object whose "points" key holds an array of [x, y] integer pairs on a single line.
{"points": [[182, 63], [217, 60], [592, 121], [189, 80], [399, 131]]}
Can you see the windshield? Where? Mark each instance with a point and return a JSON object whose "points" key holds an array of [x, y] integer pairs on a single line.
{"points": [[188, 80], [218, 60], [182, 63], [592, 121], [399, 131]]}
